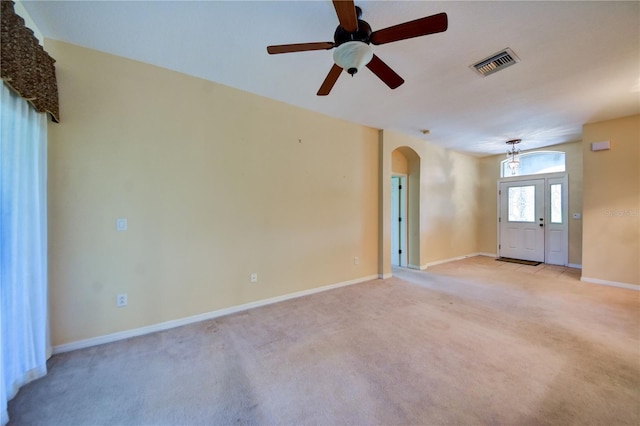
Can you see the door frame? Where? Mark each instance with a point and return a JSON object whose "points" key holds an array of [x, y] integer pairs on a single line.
{"points": [[404, 199], [549, 179]]}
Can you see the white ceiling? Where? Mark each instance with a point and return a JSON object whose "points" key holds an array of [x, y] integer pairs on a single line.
{"points": [[580, 60]]}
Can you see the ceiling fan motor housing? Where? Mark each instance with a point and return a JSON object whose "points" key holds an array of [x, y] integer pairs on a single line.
{"points": [[361, 34]]}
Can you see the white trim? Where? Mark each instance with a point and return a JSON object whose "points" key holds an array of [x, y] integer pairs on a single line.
{"points": [[533, 176], [412, 266], [575, 265], [384, 276], [453, 259], [108, 338], [610, 283], [485, 254]]}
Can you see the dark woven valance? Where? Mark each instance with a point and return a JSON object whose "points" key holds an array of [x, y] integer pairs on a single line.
{"points": [[24, 65]]}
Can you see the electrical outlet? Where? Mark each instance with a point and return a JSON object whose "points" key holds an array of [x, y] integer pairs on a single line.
{"points": [[356, 260], [254, 277], [121, 300]]}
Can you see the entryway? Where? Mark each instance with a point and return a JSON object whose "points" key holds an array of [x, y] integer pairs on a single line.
{"points": [[533, 219], [402, 216], [399, 220]]}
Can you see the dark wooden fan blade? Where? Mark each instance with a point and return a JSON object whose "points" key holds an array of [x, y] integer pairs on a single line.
{"points": [[331, 79], [299, 47], [420, 27], [385, 73], [346, 11]]}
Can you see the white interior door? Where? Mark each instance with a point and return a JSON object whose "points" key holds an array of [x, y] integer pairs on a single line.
{"points": [[395, 215], [521, 220], [398, 221]]}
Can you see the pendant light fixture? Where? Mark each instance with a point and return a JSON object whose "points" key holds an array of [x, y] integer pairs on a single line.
{"points": [[513, 155]]}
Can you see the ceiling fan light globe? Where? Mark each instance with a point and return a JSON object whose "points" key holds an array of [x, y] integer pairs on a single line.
{"points": [[353, 55]]}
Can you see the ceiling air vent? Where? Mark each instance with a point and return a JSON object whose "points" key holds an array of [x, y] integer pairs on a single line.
{"points": [[496, 62]]}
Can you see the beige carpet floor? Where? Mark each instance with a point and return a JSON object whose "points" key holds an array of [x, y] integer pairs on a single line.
{"points": [[470, 342]]}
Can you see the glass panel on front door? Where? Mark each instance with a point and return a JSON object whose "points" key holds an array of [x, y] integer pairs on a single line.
{"points": [[521, 203], [556, 203]]}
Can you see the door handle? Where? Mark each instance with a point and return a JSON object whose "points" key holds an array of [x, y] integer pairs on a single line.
{"points": [[541, 225]]}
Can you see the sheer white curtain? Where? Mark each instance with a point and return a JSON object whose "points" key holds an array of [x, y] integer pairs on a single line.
{"points": [[23, 245]]}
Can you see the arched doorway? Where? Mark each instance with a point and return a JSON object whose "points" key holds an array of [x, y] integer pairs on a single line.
{"points": [[405, 208]]}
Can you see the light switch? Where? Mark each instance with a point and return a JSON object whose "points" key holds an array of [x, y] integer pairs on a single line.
{"points": [[121, 224]]}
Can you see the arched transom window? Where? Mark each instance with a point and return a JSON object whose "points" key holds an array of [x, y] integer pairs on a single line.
{"points": [[533, 163]]}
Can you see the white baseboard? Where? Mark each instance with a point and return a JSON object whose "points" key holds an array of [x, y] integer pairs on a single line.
{"points": [[575, 265], [453, 259], [484, 254], [610, 283], [384, 276], [108, 338]]}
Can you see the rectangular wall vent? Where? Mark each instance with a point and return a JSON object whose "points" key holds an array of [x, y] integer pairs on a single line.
{"points": [[601, 146], [495, 62]]}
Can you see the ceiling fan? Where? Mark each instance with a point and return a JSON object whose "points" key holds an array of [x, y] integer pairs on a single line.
{"points": [[353, 38]]}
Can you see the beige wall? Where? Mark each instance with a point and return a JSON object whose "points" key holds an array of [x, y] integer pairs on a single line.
{"points": [[611, 248], [488, 193], [215, 183], [399, 163], [448, 200]]}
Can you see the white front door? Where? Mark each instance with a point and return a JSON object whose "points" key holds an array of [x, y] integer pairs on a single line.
{"points": [[533, 219], [522, 220]]}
